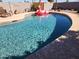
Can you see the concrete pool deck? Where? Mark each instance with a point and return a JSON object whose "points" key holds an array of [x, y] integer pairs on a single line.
{"points": [[14, 17], [72, 15]]}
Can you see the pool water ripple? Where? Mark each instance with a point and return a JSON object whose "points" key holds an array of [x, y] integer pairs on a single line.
{"points": [[23, 36]]}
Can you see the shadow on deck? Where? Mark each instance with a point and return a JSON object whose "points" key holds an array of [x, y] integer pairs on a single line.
{"points": [[65, 49]]}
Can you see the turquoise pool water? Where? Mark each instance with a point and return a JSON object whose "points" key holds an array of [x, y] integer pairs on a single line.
{"points": [[18, 39], [23, 36]]}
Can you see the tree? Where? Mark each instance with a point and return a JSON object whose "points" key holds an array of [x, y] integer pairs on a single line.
{"points": [[24, 0], [10, 11], [67, 0], [50, 0], [56, 1]]}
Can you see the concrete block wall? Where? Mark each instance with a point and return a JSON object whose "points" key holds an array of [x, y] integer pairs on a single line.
{"points": [[65, 5]]}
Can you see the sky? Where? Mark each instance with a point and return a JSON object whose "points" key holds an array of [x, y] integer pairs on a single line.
{"points": [[38, 0]]}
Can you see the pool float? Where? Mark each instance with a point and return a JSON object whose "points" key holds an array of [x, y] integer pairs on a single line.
{"points": [[41, 12]]}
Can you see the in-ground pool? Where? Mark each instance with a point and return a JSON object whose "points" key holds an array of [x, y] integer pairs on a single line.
{"points": [[20, 38]]}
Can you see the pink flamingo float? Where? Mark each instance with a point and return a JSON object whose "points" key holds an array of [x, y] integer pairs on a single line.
{"points": [[40, 11]]}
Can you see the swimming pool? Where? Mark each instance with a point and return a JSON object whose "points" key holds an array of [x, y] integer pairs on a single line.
{"points": [[27, 36]]}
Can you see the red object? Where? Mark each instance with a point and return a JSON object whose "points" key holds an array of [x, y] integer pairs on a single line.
{"points": [[41, 12]]}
